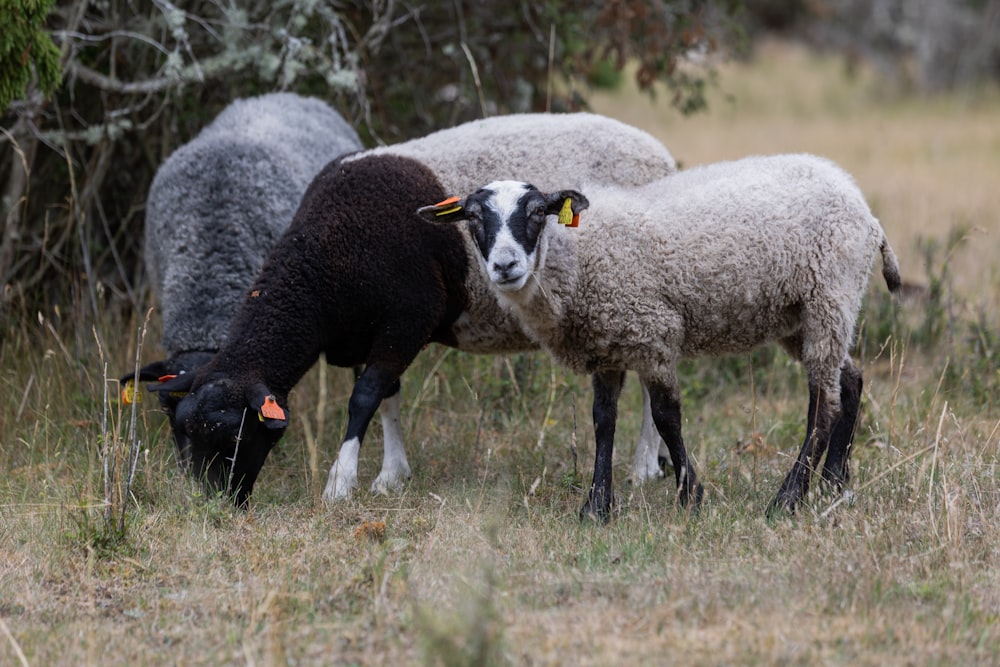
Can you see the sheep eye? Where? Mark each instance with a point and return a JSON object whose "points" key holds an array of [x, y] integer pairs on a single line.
{"points": [[539, 212]]}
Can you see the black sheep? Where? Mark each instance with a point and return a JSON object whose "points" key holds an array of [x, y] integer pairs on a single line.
{"points": [[369, 285]]}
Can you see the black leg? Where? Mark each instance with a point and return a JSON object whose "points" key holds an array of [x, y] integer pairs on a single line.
{"points": [[666, 405], [818, 427], [374, 384], [607, 388], [837, 469]]}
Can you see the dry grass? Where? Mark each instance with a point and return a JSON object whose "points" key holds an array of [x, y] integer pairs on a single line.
{"points": [[482, 560], [925, 164]]}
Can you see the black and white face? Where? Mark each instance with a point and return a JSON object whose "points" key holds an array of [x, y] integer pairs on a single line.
{"points": [[506, 220]]}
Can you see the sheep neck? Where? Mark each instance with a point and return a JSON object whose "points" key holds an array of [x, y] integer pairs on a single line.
{"points": [[543, 305]]}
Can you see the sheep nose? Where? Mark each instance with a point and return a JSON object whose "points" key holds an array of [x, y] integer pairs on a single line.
{"points": [[503, 268]]}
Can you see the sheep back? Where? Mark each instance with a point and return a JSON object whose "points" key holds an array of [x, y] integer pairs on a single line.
{"points": [[547, 150], [219, 203], [356, 275], [717, 259]]}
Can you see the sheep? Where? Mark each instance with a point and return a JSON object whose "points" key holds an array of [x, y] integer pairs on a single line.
{"points": [[421, 300], [215, 208], [715, 260]]}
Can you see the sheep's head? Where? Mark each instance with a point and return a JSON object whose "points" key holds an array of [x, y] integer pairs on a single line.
{"points": [[161, 371], [506, 220], [227, 430]]}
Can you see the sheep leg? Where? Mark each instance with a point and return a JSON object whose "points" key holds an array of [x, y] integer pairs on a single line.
{"points": [[607, 389], [650, 460], [837, 469], [375, 383], [818, 429], [395, 468], [666, 409]]}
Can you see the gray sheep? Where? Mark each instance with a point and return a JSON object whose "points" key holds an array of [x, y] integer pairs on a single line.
{"points": [[715, 260], [215, 209]]}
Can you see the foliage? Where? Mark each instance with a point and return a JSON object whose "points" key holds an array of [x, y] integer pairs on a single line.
{"points": [[26, 50], [143, 77], [935, 318], [931, 44]]}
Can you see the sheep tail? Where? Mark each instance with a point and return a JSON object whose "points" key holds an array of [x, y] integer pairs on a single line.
{"points": [[890, 266]]}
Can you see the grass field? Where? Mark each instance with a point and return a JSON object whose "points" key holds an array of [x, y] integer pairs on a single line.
{"points": [[482, 559]]}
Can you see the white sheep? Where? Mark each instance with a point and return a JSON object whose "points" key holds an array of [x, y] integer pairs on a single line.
{"points": [[715, 260]]}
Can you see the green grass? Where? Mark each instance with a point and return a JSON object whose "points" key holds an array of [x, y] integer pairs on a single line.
{"points": [[483, 559]]}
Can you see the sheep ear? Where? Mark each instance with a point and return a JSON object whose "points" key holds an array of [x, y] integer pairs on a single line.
{"points": [[265, 404], [451, 209], [173, 383], [147, 373], [567, 204]]}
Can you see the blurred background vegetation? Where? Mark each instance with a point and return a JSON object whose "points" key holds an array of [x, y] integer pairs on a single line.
{"points": [[96, 94]]}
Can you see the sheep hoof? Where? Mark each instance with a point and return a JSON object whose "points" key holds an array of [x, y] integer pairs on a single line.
{"points": [[663, 462], [339, 487], [642, 474], [390, 482], [692, 500], [784, 503], [836, 480], [592, 511]]}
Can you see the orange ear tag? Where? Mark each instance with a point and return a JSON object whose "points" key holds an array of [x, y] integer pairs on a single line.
{"points": [[164, 378], [449, 205], [271, 409]]}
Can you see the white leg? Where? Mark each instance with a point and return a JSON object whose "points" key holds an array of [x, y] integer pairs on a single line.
{"points": [[343, 477], [395, 467], [645, 464]]}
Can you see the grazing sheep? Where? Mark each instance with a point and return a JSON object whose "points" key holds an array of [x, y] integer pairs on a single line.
{"points": [[361, 279], [715, 260], [216, 207]]}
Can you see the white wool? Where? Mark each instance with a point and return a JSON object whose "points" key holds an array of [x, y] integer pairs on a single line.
{"points": [[546, 150], [718, 259]]}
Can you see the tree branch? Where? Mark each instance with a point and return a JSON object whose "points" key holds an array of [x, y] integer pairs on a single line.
{"points": [[211, 68]]}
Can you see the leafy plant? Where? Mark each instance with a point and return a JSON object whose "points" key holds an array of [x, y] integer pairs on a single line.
{"points": [[26, 50]]}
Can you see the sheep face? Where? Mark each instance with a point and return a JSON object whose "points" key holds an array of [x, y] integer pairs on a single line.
{"points": [[226, 432], [161, 371], [506, 220]]}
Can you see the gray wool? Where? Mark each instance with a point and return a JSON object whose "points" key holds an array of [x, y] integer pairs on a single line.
{"points": [[547, 150], [714, 260], [218, 204]]}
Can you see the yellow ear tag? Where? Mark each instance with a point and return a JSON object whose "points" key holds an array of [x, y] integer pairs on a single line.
{"points": [[271, 410], [128, 394], [566, 216], [449, 205]]}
